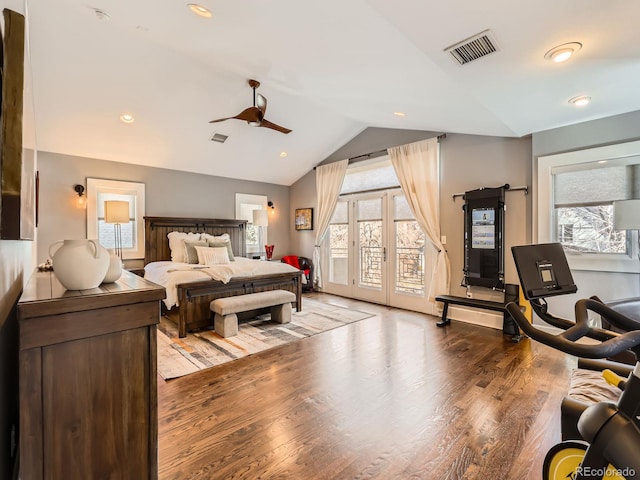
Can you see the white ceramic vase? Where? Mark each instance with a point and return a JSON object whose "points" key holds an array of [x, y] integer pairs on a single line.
{"points": [[115, 269], [79, 264]]}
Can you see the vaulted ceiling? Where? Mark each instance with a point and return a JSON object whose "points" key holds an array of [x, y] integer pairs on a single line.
{"points": [[328, 69]]}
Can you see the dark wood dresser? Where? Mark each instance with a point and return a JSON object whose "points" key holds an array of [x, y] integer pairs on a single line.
{"points": [[88, 385]]}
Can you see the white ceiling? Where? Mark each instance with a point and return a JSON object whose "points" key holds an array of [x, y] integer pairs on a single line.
{"points": [[328, 69]]}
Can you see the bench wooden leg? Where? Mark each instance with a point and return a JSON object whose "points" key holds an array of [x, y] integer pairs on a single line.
{"points": [[226, 325], [281, 313], [445, 321]]}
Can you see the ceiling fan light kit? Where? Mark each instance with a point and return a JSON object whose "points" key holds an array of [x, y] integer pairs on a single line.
{"points": [[254, 115]]}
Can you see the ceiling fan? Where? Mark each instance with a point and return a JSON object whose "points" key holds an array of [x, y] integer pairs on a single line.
{"points": [[254, 116]]}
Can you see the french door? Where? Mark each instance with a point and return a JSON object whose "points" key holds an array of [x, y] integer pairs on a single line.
{"points": [[375, 251]]}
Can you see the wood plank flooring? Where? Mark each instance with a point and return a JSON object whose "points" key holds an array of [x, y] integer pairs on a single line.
{"points": [[389, 397]]}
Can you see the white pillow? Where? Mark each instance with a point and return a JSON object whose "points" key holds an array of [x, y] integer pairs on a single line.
{"points": [[215, 238], [176, 244], [212, 255]]}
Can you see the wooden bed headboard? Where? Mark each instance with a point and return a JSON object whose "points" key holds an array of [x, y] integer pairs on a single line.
{"points": [[156, 229]]}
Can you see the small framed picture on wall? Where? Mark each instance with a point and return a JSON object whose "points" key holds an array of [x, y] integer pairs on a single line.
{"points": [[304, 219]]}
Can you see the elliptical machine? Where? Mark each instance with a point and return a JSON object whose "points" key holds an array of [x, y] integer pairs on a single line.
{"points": [[611, 430]]}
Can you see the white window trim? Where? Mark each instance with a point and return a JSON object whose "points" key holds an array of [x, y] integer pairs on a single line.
{"points": [[545, 229], [95, 185]]}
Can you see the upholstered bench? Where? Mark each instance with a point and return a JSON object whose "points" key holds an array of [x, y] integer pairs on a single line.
{"points": [[225, 309]]}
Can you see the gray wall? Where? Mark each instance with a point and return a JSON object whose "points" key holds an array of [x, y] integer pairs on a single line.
{"points": [[303, 195], [469, 162], [168, 193], [606, 131]]}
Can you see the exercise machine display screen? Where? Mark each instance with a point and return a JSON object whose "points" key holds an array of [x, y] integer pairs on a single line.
{"points": [[543, 270], [483, 230]]}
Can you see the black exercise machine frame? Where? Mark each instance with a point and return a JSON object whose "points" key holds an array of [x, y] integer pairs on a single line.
{"points": [[484, 252]]}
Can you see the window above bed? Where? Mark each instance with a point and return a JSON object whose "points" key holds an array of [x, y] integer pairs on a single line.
{"points": [[99, 191]]}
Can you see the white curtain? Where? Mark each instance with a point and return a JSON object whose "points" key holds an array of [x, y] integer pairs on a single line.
{"points": [[329, 180], [417, 168]]}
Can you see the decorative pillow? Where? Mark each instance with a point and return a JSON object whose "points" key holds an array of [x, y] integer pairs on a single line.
{"points": [[190, 254], [227, 245], [212, 255], [215, 238], [176, 244]]}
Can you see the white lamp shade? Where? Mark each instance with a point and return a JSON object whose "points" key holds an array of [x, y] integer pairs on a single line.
{"points": [[260, 218], [626, 215], [116, 211]]}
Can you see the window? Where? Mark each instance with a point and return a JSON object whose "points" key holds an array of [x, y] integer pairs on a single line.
{"points": [[368, 175], [576, 191], [100, 191], [583, 206], [256, 236]]}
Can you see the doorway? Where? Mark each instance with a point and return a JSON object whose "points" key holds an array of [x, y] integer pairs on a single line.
{"points": [[375, 250]]}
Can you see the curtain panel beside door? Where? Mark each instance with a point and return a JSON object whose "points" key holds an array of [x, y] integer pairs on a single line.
{"points": [[417, 168]]}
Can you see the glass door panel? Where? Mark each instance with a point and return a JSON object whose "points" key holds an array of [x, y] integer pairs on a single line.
{"points": [[371, 266], [337, 266], [408, 261], [339, 254]]}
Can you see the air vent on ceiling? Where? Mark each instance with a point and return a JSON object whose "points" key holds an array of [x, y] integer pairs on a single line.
{"points": [[218, 137], [473, 48]]}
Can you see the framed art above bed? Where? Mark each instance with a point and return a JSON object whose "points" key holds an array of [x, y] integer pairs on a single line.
{"points": [[193, 297]]}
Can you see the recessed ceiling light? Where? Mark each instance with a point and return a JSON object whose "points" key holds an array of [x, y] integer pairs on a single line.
{"points": [[200, 10], [580, 101], [399, 114], [283, 154], [127, 118], [562, 52]]}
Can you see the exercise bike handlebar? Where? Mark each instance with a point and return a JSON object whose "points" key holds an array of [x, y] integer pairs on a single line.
{"points": [[566, 341]]}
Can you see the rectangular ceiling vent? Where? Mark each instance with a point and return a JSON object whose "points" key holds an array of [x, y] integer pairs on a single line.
{"points": [[218, 137], [473, 48]]}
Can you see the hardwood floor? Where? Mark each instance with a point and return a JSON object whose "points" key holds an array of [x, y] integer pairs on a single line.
{"points": [[389, 397]]}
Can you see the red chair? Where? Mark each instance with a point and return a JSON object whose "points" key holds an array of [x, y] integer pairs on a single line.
{"points": [[302, 263]]}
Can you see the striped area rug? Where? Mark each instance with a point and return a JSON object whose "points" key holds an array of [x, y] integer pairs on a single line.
{"points": [[181, 356]]}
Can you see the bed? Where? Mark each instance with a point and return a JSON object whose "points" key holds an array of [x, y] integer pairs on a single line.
{"points": [[194, 296]]}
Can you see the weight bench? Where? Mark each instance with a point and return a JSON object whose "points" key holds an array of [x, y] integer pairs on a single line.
{"points": [[508, 326], [225, 309]]}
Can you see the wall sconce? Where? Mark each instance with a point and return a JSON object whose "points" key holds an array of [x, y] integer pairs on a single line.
{"points": [[272, 206], [81, 201]]}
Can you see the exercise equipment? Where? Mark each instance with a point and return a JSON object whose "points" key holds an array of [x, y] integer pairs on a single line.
{"points": [[484, 210], [484, 237], [611, 430]]}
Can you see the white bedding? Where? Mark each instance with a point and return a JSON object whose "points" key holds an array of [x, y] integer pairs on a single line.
{"points": [[169, 274]]}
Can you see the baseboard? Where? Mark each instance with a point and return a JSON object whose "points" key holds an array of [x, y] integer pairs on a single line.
{"points": [[476, 316]]}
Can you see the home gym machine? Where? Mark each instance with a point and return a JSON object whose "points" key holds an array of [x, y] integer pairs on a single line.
{"points": [[611, 429], [484, 215]]}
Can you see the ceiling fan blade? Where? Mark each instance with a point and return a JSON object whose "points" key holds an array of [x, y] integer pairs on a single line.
{"points": [[261, 103], [251, 114], [220, 120], [267, 124]]}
